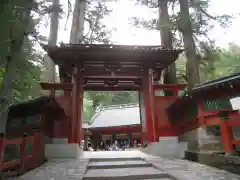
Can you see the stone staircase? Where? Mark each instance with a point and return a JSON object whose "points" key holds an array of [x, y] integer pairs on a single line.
{"points": [[123, 168]]}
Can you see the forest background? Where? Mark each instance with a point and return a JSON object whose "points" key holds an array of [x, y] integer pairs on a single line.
{"points": [[190, 24]]}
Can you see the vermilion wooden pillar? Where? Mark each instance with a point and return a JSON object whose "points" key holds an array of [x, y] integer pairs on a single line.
{"points": [[77, 98], [148, 93], [227, 137], [79, 130], [2, 148], [201, 113], [37, 147]]}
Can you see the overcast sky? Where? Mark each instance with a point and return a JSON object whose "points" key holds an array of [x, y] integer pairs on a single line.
{"points": [[127, 34]]}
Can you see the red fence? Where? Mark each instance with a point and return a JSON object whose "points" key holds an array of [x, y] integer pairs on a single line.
{"points": [[164, 127], [34, 158], [213, 118]]}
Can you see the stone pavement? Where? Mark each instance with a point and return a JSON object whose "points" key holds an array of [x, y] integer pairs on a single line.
{"points": [[187, 170], [58, 170], [125, 165], [122, 168], [115, 154]]}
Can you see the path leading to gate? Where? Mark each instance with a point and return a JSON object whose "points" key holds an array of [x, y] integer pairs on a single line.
{"points": [[127, 165]]}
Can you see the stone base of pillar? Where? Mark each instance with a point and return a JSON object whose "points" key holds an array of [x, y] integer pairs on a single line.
{"points": [[231, 153], [200, 140], [60, 149], [168, 147]]}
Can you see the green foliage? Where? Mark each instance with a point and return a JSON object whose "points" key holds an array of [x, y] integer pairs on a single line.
{"points": [[19, 62], [219, 63], [97, 31], [27, 75], [202, 21], [26, 65]]}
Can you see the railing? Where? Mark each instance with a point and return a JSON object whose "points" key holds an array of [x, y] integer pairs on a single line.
{"points": [[226, 119], [34, 158], [210, 113]]}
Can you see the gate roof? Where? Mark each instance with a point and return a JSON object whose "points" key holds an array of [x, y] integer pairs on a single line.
{"points": [[79, 54], [110, 67], [101, 61]]}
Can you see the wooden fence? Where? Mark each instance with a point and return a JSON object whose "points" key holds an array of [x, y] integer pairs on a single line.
{"points": [[226, 119], [34, 158]]}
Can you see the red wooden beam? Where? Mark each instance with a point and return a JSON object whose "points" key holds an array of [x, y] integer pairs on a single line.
{"points": [[112, 130], [10, 164], [165, 134], [119, 78], [13, 141], [109, 71], [56, 86], [117, 88], [90, 87], [235, 142], [158, 86], [93, 72]]}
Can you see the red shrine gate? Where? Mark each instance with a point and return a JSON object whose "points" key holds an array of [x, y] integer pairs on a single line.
{"points": [[112, 68]]}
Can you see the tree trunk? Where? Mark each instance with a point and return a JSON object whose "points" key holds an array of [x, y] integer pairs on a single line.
{"points": [[15, 50], [166, 40], [53, 35], [199, 138], [50, 71], [76, 36], [192, 65]]}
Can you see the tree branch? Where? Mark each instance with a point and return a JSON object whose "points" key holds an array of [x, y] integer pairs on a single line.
{"points": [[215, 18]]}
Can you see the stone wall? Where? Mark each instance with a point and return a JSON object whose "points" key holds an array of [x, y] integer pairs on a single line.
{"points": [[201, 139], [236, 133]]}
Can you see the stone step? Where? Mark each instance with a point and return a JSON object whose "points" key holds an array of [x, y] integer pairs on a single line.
{"points": [[126, 174], [118, 164], [115, 159]]}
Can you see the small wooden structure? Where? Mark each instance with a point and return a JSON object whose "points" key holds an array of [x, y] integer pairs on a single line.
{"points": [[209, 105], [25, 128]]}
